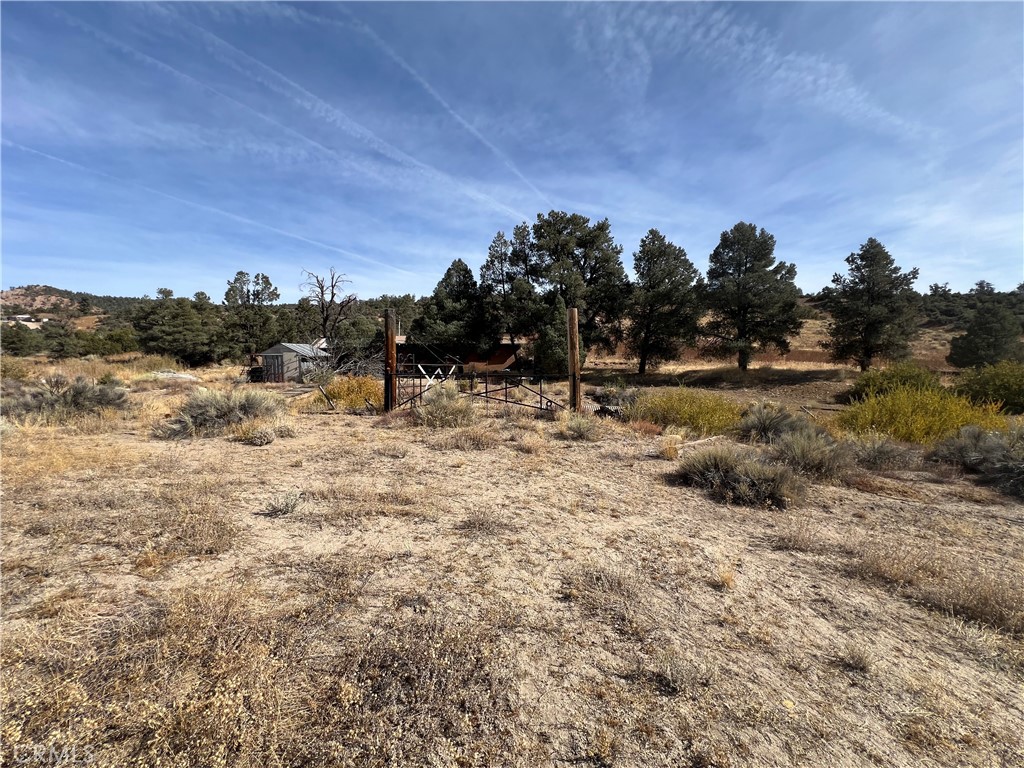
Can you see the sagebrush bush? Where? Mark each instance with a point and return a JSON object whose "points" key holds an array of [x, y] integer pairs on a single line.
{"points": [[767, 422], [208, 413], [997, 456], [901, 375], [1000, 383], [918, 415], [881, 452], [703, 412], [57, 399], [971, 449], [814, 454], [354, 392], [732, 476], [444, 407], [578, 426]]}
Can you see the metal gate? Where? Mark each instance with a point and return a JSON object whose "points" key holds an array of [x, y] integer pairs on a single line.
{"points": [[509, 388]]}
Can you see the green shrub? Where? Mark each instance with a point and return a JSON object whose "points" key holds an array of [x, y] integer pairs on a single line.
{"points": [[999, 383], [917, 415], [881, 452], [814, 454], [354, 392], [207, 413], [730, 476], [58, 399], [703, 412], [443, 407], [898, 376]]}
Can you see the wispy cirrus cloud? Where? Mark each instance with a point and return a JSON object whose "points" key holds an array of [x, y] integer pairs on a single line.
{"points": [[258, 71], [629, 40], [203, 207]]}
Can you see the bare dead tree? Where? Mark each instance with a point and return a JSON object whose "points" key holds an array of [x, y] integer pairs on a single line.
{"points": [[325, 293]]}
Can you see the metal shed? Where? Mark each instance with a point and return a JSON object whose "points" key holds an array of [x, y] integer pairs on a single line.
{"points": [[288, 362]]}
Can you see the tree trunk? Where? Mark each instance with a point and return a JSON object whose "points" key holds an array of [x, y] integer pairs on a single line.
{"points": [[643, 363], [743, 359]]}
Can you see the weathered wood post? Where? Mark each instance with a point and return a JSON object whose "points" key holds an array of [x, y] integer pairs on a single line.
{"points": [[573, 326], [390, 361]]}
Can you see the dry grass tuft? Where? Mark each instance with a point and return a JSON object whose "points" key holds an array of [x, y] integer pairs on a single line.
{"points": [[880, 452], [723, 578], [895, 561], [612, 593], [532, 442], [797, 534], [856, 656], [230, 676], [285, 504], [991, 597], [479, 522], [478, 437]]}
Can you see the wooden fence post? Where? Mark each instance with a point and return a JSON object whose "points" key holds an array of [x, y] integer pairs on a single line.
{"points": [[573, 327], [390, 361]]}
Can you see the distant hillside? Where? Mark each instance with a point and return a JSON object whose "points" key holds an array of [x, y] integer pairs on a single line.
{"points": [[58, 301]]}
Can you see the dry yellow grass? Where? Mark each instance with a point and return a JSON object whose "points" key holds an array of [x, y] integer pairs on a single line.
{"points": [[539, 602]]}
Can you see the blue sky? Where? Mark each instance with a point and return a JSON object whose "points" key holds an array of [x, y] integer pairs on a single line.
{"points": [[171, 145]]}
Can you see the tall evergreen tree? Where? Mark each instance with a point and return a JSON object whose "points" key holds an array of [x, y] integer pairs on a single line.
{"points": [[250, 321], [752, 299], [453, 314], [551, 346], [666, 303], [874, 308], [583, 264], [511, 303]]}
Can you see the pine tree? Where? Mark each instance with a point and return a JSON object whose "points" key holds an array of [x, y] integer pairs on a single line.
{"points": [[992, 336], [874, 308], [511, 303], [751, 298], [250, 322], [551, 348], [581, 262], [453, 315], [666, 303]]}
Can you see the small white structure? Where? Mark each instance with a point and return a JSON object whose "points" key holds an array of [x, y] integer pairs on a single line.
{"points": [[289, 362]]}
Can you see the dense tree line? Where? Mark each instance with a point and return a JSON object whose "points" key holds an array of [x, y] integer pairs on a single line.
{"points": [[747, 303]]}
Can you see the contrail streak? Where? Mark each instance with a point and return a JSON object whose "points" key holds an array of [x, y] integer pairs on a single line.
{"points": [[167, 68], [282, 85], [203, 207], [425, 85]]}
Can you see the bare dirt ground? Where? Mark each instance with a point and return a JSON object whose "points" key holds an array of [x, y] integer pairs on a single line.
{"points": [[370, 592]]}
